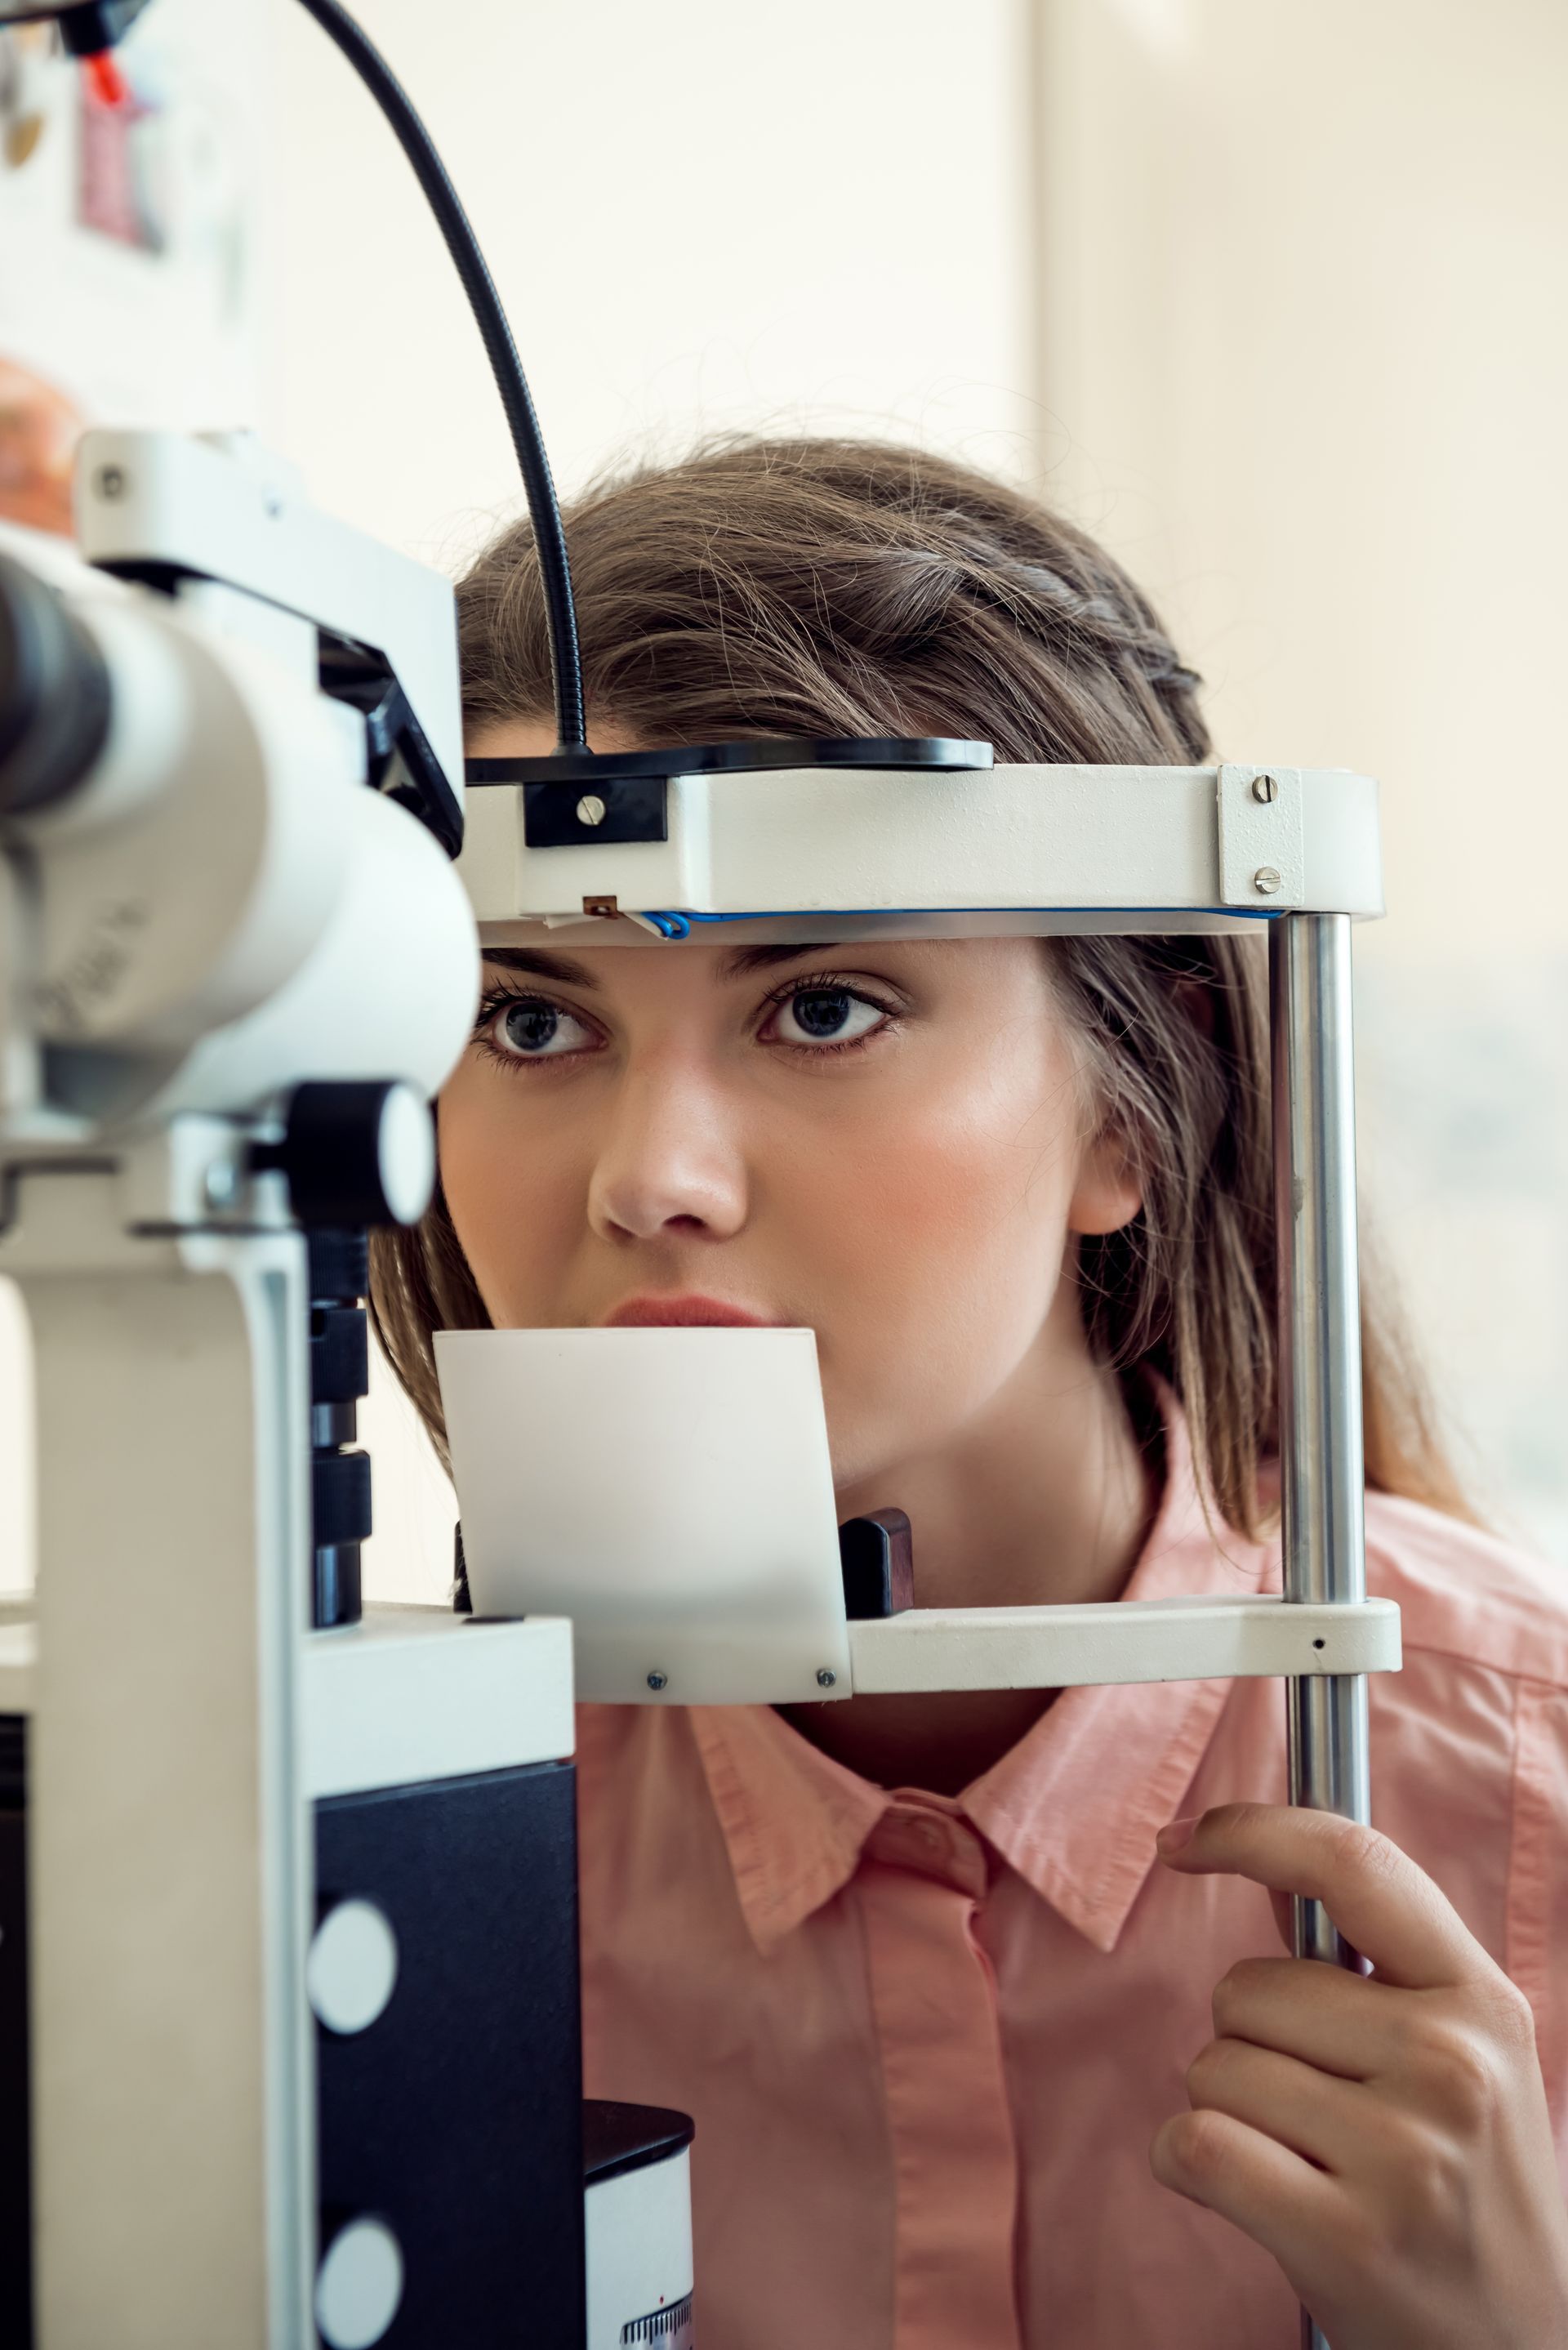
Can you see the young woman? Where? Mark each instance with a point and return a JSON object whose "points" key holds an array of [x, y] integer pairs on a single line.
{"points": [[973, 2065]]}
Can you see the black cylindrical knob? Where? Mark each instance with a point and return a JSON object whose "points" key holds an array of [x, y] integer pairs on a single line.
{"points": [[358, 1152], [341, 1496]]}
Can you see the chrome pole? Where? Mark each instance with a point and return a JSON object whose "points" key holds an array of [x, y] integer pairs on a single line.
{"points": [[1320, 1460]]}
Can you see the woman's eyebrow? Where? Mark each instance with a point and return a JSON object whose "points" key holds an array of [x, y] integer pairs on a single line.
{"points": [[749, 959], [535, 964]]}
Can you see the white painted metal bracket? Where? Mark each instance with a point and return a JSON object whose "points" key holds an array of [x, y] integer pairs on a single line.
{"points": [[1262, 851], [415, 1693], [1119, 1640]]}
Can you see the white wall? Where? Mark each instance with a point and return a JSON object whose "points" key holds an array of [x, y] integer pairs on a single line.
{"points": [[1304, 348], [698, 215]]}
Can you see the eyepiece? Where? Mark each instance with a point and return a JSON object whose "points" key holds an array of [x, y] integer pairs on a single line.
{"points": [[54, 696]]}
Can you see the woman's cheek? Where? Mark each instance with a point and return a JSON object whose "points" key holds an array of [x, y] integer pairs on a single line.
{"points": [[976, 1169], [515, 1212], [946, 1247]]}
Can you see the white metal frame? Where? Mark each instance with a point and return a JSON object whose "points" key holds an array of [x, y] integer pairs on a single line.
{"points": [[946, 852], [831, 853], [169, 1868]]}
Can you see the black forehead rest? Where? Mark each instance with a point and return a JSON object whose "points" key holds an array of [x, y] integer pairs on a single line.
{"points": [[579, 768]]}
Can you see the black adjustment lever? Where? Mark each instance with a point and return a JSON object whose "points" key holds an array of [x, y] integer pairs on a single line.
{"points": [[877, 1554]]}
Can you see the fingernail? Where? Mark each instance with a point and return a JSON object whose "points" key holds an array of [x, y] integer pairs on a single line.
{"points": [[1172, 1838]]}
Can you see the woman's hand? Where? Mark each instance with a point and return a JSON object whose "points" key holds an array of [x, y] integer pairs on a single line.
{"points": [[1385, 2138]]}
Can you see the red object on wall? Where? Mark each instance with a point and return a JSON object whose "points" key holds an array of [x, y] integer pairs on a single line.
{"points": [[105, 79]]}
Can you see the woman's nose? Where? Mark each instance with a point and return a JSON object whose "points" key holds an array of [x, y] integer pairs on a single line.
{"points": [[669, 1161]]}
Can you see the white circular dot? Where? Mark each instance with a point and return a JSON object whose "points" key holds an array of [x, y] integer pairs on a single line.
{"points": [[352, 1967], [358, 2286]]}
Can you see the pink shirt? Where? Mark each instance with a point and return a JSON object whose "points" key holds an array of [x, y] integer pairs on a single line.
{"points": [[927, 2040]]}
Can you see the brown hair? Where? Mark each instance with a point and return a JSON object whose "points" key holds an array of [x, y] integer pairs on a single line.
{"points": [[838, 588]]}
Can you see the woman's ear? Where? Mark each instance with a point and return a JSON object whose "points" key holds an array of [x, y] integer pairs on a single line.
{"points": [[1107, 1193], [1196, 1000]]}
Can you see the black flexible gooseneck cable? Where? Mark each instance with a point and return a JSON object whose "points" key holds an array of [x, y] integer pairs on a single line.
{"points": [[549, 538]]}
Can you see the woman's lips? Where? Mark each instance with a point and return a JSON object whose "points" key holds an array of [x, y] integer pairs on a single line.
{"points": [[682, 1313]]}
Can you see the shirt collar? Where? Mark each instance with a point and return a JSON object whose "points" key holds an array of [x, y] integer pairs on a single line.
{"points": [[794, 1821], [1073, 1808]]}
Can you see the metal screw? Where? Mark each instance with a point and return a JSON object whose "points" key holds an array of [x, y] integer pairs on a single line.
{"points": [[221, 1184], [590, 808], [110, 482], [657, 1680], [1264, 788], [827, 1678], [1266, 880]]}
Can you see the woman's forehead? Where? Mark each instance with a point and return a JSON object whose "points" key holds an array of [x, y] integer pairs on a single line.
{"points": [[534, 738]]}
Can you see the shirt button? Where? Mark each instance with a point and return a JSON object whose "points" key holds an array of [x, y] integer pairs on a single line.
{"points": [[932, 1845]]}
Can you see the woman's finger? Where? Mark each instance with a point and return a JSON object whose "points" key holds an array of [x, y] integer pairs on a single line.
{"points": [[1381, 1902], [1275, 2196], [1324, 2118], [1328, 2017]]}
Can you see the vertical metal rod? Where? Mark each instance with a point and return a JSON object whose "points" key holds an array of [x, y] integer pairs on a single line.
{"points": [[1322, 1467]]}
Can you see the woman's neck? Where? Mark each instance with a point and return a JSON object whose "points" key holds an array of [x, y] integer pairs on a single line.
{"points": [[1048, 1497]]}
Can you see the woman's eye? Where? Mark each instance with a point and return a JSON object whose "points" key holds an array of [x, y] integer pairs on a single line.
{"points": [[825, 1015], [529, 1029]]}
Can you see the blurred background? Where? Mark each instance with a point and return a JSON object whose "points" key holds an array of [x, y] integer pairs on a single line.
{"points": [[1269, 299]]}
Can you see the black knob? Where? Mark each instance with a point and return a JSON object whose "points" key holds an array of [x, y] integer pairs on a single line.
{"points": [[340, 1498], [340, 1354], [340, 1264], [355, 1153], [55, 697]]}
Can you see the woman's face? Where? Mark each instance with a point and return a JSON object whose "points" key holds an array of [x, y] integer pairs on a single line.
{"points": [[889, 1144]]}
